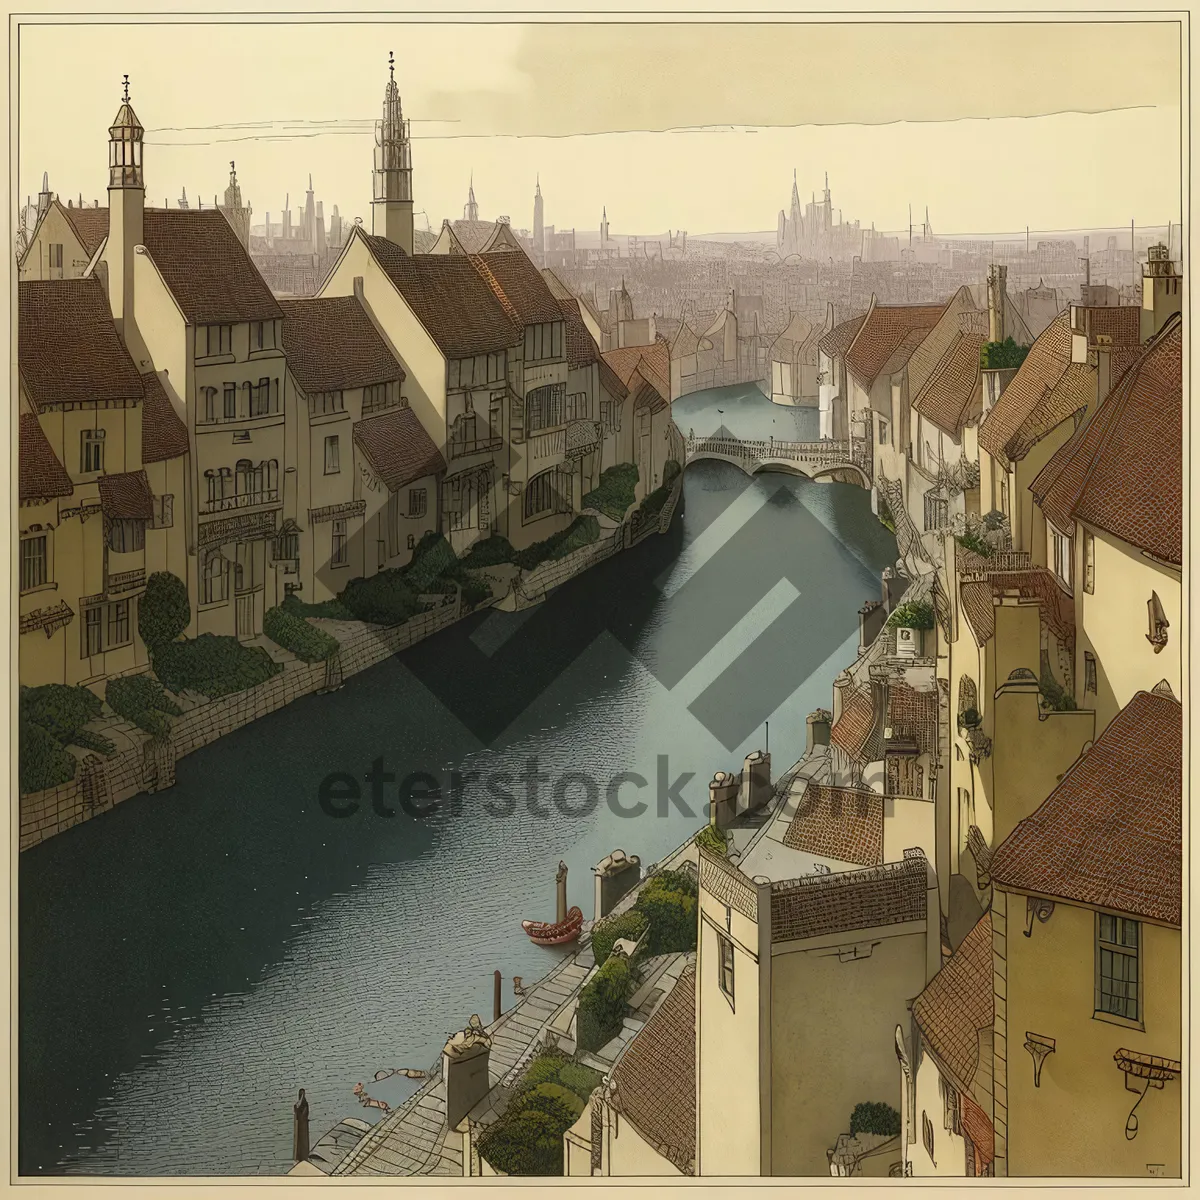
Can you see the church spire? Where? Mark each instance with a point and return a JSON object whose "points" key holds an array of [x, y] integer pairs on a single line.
{"points": [[392, 203]]}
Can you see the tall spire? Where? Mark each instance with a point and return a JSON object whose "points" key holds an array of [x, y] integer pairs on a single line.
{"points": [[392, 201]]}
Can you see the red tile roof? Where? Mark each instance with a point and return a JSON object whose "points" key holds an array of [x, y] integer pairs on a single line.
{"points": [[332, 345], [654, 1084], [90, 225], [889, 334], [913, 714], [164, 435], [841, 823], [838, 340], [855, 724], [1110, 834], [523, 285], [68, 349], [1123, 471], [957, 1005], [652, 363], [952, 393], [450, 297], [206, 267], [40, 476], [581, 349], [397, 447], [126, 496]]}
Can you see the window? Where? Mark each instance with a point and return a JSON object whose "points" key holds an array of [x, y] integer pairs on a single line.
{"points": [[213, 578], [230, 405], [578, 408], [1089, 671], [260, 397], [377, 397], [418, 502], [927, 1135], [1089, 562], [93, 631], [56, 256], [92, 453], [544, 494], [393, 524], [321, 403], [543, 341], [287, 546], [606, 414], [545, 407], [164, 512], [118, 624], [106, 627], [340, 553], [332, 466], [725, 965], [1117, 950], [34, 562], [210, 403], [1061, 547], [937, 511], [218, 339], [262, 335], [883, 432], [126, 536]]}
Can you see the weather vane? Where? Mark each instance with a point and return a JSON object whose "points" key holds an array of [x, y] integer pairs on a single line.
{"points": [[126, 89], [391, 64]]}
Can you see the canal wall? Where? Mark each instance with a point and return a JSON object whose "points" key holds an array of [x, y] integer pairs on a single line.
{"points": [[144, 764]]}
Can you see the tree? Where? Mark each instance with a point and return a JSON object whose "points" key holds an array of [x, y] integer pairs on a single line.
{"points": [[164, 612]]}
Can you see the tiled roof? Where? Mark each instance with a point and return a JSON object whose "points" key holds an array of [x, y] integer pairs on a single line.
{"points": [[524, 286], [837, 341], [841, 823], [686, 341], [398, 447], [889, 328], [654, 1084], [978, 606], [90, 225], [1123, 471], [952, 393], [331, 345], [450, 298], [798, 332], [558, 289], [1037, 583], [473, 235], [206, 267], [1110, 834], [913, 714], [1120, 324], [818, 905], [40, 476], [126, 496], [423, 241], [1074, 392], [652, 362], [960, 316], [855, 724], [957, 1004], [164, 435], [68, 349]]}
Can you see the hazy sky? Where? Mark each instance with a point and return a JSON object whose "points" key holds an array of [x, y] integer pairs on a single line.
{"points": [[697, 127]]}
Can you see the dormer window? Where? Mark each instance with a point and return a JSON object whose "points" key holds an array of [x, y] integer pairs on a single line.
{"points": [[262, 335]]}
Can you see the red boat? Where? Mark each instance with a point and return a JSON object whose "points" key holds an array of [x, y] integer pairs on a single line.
{"points": [[542, 933]]}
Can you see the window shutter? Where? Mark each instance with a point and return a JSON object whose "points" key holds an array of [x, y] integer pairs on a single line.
{"points": [[516, 420]]}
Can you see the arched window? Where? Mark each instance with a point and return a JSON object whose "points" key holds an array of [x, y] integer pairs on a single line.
{"points": [[245, 477], [213, 577], [968, 701], [210, 404]]}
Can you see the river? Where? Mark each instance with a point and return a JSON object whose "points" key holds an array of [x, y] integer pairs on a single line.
{"points": [[190, 959]]}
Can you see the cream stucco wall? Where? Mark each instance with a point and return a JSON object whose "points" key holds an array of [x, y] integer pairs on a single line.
{"points": [[949, 1148], [54, 229], [627, 1153], [909, 823]]}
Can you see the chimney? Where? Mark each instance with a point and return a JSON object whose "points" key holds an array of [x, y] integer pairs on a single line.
{"points": [[722, 799], [616, 875], [996, 287], [358, 289], [818, 725], [300, 1146], [756, 781], [465, 1070], [870, 621]]}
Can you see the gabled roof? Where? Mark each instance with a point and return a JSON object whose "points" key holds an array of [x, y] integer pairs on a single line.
{"points": [[332, 345], [839, 339], [686, 341], [953, 393], [581, 349], [956, 1005], [652, 363], [40, 476], [68, 349], [1056, 607], [1123, 471], [164, 435], [888, 336], [423, 241], [397, 447], [206, 267], [523, 285], [914, 714], [855, 723], [449, 296], [466, 237], [841, 823], [90, 225], [1110, 835], [654, 1084]]}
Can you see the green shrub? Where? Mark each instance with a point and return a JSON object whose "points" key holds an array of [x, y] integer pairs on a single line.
{"points": [[554, 1100], [164, 610], [582, 1080], [885, 515], [89, 740], [305, 641], [875, 1117], [1056, 696], [475, 591], [652, 504], [1001, 355], [43, 761], [602, 1004], [144, 701], [631, 925], [489, 552], [212, 665], [581, 532], [59, 709], [431, 558], [543, 1069], [672, 914], [973, 540], [382, 599], [712, 839], [615, 491], [914, 614], [334, 610], [528, 1142]]}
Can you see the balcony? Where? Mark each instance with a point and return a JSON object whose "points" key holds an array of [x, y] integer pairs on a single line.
{"points": [[465, 447], [126, 581], [257, 499]]}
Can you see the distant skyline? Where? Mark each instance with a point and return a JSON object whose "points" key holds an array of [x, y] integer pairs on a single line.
{"points": [[539, 98]]}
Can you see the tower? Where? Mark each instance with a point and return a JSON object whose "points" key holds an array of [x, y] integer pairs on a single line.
{"points": [[539, 223], [471, 209], [604, 229], [310, 218], [45, 195], [235, 214], [126, 206], [1162, 290], [392, 206]]}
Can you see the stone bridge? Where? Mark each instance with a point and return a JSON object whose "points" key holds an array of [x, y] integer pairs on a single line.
{"points": [[848, 462]]}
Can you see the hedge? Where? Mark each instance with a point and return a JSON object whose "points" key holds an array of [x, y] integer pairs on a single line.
{"points": [[914, 614], [144, 701], [382, 599], [602, 1004], [581, 532], [669, 900], [671, 472], [164, 610], [212, 665], [1056, 696], [305, 641], [431, 558], [475, 591], [59, 709], [43, 761], [712, 839], [1001, 355], [489, 552], [615, 491], [972, 540], [875, 1117], [334, 610], [631, 925]]}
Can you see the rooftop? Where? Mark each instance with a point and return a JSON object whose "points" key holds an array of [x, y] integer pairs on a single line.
{"points": [[839, 339], [164, 435], [332, 345], [397, 447], [888, 336], [40, 476]]}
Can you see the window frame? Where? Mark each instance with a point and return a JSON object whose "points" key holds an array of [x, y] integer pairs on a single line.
{"points": [[106, 626], [1089, 562], [1061, 554], [339, 547], [91, 440], [725, 967], [1089, 673], [418, 502], [333, 454], [1118, 946], [44, 558]]}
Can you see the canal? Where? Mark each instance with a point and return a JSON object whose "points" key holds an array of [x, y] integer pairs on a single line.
{"points": [[190, 959]]}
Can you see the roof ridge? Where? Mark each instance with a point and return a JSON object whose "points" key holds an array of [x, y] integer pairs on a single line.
{"points": [[485, 273]]}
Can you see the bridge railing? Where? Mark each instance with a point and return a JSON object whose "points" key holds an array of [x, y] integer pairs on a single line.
{"points": [[824, 453]]}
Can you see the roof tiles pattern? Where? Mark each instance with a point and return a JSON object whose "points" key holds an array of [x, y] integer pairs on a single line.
{"points": [[332, 345], [841, 823]]}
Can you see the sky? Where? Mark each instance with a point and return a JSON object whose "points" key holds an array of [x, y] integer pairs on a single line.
{"points": [[698, 126]]}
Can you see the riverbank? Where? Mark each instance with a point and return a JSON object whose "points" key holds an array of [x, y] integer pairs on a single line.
{"points": [[142, 764]]}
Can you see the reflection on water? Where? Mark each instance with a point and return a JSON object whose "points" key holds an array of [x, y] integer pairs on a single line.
{"points": [[746, 413], [191, 959]]}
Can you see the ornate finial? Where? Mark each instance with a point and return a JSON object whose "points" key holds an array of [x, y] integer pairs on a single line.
{"points": [[391, 65], [126, 89], [232, 166]]}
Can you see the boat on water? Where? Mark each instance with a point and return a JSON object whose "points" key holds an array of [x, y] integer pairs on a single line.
{"points": [[567, 924]]}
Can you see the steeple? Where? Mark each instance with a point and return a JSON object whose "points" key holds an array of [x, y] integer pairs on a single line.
{"points": [[392, 206], [45, 195], [471, 211], [539, 223], [125, 146], [126, 212]]}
